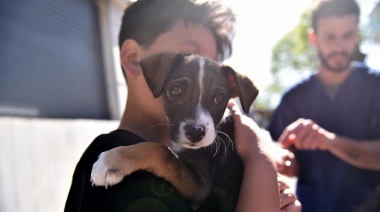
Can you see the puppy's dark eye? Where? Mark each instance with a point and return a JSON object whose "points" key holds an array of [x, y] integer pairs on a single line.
{"points": [[176, 91], [219, 99]]}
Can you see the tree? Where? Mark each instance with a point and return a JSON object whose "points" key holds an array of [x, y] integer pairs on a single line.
{"points": [[375, 22], [294, 51], [292, 55]]}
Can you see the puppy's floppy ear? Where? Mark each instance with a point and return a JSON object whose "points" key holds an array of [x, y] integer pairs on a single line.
{"points": [[156, 69], [242, 87]]}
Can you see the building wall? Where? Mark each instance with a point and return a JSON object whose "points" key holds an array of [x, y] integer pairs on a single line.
{"points": [[38, 154], [38, 157]]}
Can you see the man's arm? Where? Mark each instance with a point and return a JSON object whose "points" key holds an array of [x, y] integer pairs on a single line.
{"points": [[364, 154], [306, 135]]}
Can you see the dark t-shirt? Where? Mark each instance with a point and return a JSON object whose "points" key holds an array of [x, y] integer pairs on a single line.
{"points": [[141, 191], [326, 183]]}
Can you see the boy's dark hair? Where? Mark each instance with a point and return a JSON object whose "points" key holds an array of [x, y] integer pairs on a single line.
{"points": [[336, 8], [145, 20]]}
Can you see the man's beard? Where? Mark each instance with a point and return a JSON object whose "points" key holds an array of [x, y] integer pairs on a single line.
{"points": [[339, 68]]}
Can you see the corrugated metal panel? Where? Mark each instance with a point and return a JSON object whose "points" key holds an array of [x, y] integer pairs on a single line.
{"points": [[50, 59]]}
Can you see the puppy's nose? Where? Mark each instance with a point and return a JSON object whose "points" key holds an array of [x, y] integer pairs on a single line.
{"points": [[195, 132]]}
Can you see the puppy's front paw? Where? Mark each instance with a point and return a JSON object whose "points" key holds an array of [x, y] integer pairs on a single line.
{"points": [[114, 164], [107, 170], [103, 174]]}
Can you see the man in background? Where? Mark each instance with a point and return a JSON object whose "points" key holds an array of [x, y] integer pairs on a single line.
{"points": [[330, 122]]}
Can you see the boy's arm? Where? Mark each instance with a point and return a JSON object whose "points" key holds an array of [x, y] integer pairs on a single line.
{"points": [[259, 190]]}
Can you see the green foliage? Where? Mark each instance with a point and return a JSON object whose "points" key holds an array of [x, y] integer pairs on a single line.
{"points": [[292, 55], [294, 51]]}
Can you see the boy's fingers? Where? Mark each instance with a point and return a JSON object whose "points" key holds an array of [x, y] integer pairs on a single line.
{"points": [[286, 198], [233, 107]]}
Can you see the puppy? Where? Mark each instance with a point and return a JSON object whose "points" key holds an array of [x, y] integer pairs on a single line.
{"points": [[194, 92]]}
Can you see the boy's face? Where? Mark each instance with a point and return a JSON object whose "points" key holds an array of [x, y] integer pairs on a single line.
{"points": [[336, 39], [190, 38]]}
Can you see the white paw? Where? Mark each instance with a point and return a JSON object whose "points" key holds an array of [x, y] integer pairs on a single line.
{"points": [[104, 175]]}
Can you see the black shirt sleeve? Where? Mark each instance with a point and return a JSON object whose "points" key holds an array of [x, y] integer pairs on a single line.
{"points": [[141, 191]]}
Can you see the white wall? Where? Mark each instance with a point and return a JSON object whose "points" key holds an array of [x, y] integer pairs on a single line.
{"points": [[37, 160]]}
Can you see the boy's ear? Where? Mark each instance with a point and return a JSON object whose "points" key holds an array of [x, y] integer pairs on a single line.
{"points": [[312, 37], [129, 57]]}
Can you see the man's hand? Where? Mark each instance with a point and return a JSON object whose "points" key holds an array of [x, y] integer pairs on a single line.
{"points": [[286, 162], [305, 134]]}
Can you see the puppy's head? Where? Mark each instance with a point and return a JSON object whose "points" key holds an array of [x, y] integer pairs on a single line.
{"points": [[195, 92]]}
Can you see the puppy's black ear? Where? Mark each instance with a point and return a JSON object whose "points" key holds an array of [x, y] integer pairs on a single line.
{"points": [[242, 87], [156, 69]]}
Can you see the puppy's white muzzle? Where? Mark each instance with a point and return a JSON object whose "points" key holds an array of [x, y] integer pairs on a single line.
{"points": [[195, 134]]}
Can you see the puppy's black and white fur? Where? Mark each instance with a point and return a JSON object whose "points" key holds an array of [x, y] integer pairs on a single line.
{"points": [[194, 92]]}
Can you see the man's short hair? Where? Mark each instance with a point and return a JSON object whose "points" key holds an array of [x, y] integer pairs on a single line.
{"points": [[333, 8], [145, 20]]}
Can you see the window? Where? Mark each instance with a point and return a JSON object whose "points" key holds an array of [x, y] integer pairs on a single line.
{"points": [[51, 62]]}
